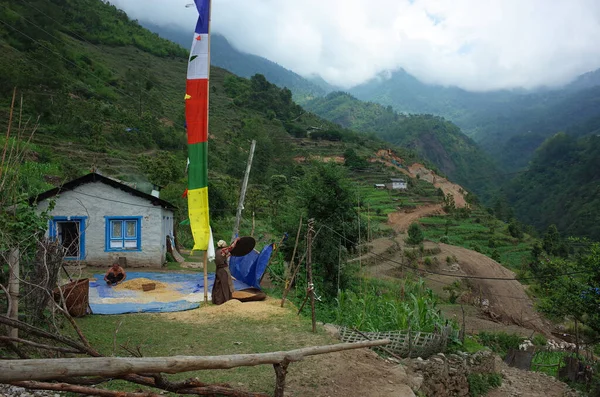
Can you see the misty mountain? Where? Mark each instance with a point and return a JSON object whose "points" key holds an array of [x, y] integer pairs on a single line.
{"points": [[224, 55], [509, 125]]}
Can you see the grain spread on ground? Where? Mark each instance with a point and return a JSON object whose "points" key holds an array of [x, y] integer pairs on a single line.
{"points": [[162, 292], [137, 283], [232, 308]]}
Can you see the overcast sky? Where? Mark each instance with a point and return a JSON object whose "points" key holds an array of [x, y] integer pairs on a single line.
{"points": [[473, 44]]}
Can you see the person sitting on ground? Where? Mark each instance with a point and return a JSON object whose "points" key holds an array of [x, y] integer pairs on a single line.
{"points": [[223, 287], [115, 275]]}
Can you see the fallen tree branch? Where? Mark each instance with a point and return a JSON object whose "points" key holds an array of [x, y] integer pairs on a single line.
{"points": [[12, 347], [90, 391], [44, 334], [51, 369], [39, 345]]}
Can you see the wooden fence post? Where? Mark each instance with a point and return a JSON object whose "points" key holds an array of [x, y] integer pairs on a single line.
{"points": [[13, 289], [280, 374], [311, 287]]}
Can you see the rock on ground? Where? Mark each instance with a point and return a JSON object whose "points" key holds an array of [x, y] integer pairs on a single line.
{"points": [[519, 383], [14, 391]]}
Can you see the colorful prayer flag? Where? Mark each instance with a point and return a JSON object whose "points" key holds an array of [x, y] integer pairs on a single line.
{"points": [[196, 114]]}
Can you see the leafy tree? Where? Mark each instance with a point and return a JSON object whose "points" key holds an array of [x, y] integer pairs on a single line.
{"points": [[552, 243], [162, 168], [325, 194], [353, 160], [515, 230], [449, 204], [415, 234], [570, 287]]}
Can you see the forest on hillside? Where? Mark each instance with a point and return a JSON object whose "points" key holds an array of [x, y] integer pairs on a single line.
{"points": [[434, 138], [561, 186]]}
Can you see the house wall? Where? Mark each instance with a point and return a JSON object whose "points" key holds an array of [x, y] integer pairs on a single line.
{"points": [[97, 200]]}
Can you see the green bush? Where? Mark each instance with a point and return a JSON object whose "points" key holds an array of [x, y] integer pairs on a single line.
{"points": [[415, 234], [444, 239], [480, 384], [539, 340], [500, 342]]}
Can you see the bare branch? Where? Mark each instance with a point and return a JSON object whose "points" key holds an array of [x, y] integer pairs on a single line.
{"points": [[40, 345]]}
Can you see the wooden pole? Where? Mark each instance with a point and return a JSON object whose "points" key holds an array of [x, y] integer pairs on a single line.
{"points": [[13, 289], [368, 222], [238, 216], [271, 258], [294, 251], [205, 276], [311, 286], [280, 373], [294, 273], [57, 368]]}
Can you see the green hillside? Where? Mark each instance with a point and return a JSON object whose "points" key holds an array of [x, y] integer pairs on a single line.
{"points": [[509, 125], [435, 139], [117, 105], [561, 186], [225, 56]]}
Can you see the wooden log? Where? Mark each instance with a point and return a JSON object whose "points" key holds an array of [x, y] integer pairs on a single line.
{"points": [[52, 369], [90, 391]]}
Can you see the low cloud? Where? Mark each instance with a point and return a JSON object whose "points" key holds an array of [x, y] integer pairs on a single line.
{"points": [[473, 44]]}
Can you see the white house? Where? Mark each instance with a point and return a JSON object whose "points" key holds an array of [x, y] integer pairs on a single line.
{"points": [[397, 183], [98, 220]]}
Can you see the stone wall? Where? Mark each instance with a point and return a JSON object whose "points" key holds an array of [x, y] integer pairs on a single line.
{"points": [[446, 375]]}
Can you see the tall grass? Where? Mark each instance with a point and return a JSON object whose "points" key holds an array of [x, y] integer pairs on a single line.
{"points": [[409, 305]]}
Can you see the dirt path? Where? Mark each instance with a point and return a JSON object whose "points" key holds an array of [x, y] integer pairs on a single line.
{"points": [[400, 221], [377, 247], [518, 383], [508, 301], [349, 373], [506, 305], [439, 182]]}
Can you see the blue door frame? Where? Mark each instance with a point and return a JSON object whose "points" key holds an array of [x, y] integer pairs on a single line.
{"points": [[80, 220]]}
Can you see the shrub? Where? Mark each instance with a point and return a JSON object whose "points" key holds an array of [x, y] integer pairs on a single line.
{"points": [[496, 255], [539, 340], [428, 262], [445, 240], [500, 342], [415, 234], [480, 384]]}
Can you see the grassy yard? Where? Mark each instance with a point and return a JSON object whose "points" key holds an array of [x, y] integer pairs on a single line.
{"points": [[210, 330]]}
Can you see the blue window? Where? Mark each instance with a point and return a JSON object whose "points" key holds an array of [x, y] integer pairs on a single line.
{"points": [[123, 233]]}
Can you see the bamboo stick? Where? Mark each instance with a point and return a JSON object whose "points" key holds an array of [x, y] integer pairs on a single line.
{"points": [[52, 369]]}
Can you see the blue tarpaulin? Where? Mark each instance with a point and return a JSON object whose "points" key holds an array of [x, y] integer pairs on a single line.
{"points": [[188, 293], [250, 268]]}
